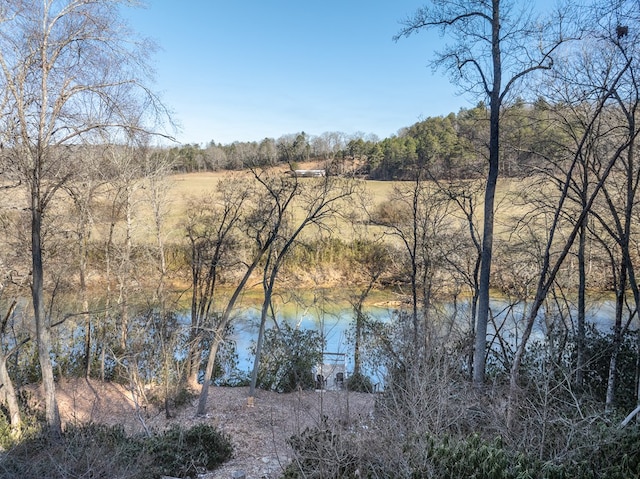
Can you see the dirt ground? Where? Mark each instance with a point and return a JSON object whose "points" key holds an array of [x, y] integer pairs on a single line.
{"points": [[259, 433]]}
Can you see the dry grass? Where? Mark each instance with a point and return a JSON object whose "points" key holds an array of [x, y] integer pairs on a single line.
{"points": [[185, 189]]}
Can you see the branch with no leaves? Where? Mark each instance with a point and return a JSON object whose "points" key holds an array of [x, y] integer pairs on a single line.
{"points": [[628, 419]]}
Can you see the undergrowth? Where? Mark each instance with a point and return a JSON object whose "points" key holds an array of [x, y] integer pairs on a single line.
{"points": [[94, 450]]}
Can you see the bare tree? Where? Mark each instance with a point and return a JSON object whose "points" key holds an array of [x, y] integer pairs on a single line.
{"points": [[72, 70], [416, 216], [317, 203], [621, 192], [563, 231], [599, 89], [462, 249], [156, 169], [373, 259], [496, 45], [212, 228], [83, 191]]}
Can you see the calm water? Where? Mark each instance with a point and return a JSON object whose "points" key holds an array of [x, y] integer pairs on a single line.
{"points": [[335, 326]]}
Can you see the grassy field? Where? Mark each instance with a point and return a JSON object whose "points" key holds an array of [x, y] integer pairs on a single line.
{"points": [[198, 185], [185, 189]]}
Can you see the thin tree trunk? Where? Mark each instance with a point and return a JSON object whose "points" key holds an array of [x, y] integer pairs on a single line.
{"points": [[220, 331], [43, 333], [10, 398], [263, 322], [484, 287], [582, 287], [482, 319], [125, 273], [83, 254], [618, 336], [7, 391]]}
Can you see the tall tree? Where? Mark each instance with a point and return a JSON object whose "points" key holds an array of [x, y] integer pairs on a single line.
{"points": [[417, 214], [563, 231], [72, 71], [496, 45], [211, 227], [621, 191], [83, 192]]}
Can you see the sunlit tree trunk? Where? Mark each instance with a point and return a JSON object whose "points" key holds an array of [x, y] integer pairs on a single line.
{"points": [[7, 390]]}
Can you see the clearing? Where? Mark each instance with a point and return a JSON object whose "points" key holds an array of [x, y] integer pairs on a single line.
{"points": [[259, 434]]}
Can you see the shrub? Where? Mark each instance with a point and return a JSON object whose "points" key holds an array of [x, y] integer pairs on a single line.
{"points": [[181, 453], [598, 349], [321, 453], [358, 382], [288, 358], [31, 421], [83, 451], [615, 454], [473, 457], [93, 450]]}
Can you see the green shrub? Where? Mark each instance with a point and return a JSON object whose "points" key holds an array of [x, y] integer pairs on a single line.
{"points": [[32, 421], [93, 450], [358, 382], [181, 453], [614, 455], [325, 452], [598, 349], [288, 358], [474, 458]]}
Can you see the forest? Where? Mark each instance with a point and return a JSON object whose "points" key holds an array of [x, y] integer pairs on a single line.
{"points": [[495, 234]]}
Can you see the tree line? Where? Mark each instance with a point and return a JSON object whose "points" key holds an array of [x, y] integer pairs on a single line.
{"points": [[450, 144]]}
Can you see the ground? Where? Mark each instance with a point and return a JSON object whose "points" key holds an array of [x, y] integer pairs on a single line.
{"points": [[259, 433]]}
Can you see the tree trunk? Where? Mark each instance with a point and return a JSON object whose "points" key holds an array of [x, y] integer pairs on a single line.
{"points": [[263, 322], [208, 373], [482, 318], [220, 331], [10, 398], [479, 357], [582, 287], [83, 253], [617, 340], [125, 274], [357, 361], [43, 333]]}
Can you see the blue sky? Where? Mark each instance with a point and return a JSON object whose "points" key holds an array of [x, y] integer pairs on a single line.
{"points": [[239, 70]]}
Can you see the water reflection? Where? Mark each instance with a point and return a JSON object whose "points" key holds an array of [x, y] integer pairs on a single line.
{"points": [[333, 326], [508, 321]]}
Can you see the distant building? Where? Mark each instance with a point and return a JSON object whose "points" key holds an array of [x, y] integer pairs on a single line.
{"points": [[308, 173]]}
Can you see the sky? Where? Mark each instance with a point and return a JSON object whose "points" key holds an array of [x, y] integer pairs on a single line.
{"points": [[245, 70]]}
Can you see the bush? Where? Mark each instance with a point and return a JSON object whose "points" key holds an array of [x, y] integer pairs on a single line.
{"points": [[288, 358], [473, 457], [358, 382], [613, 455], [31, 421], [94, 450], [322, 453], [187, 453], [598, 349], [325, 452], [83, 451]]}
